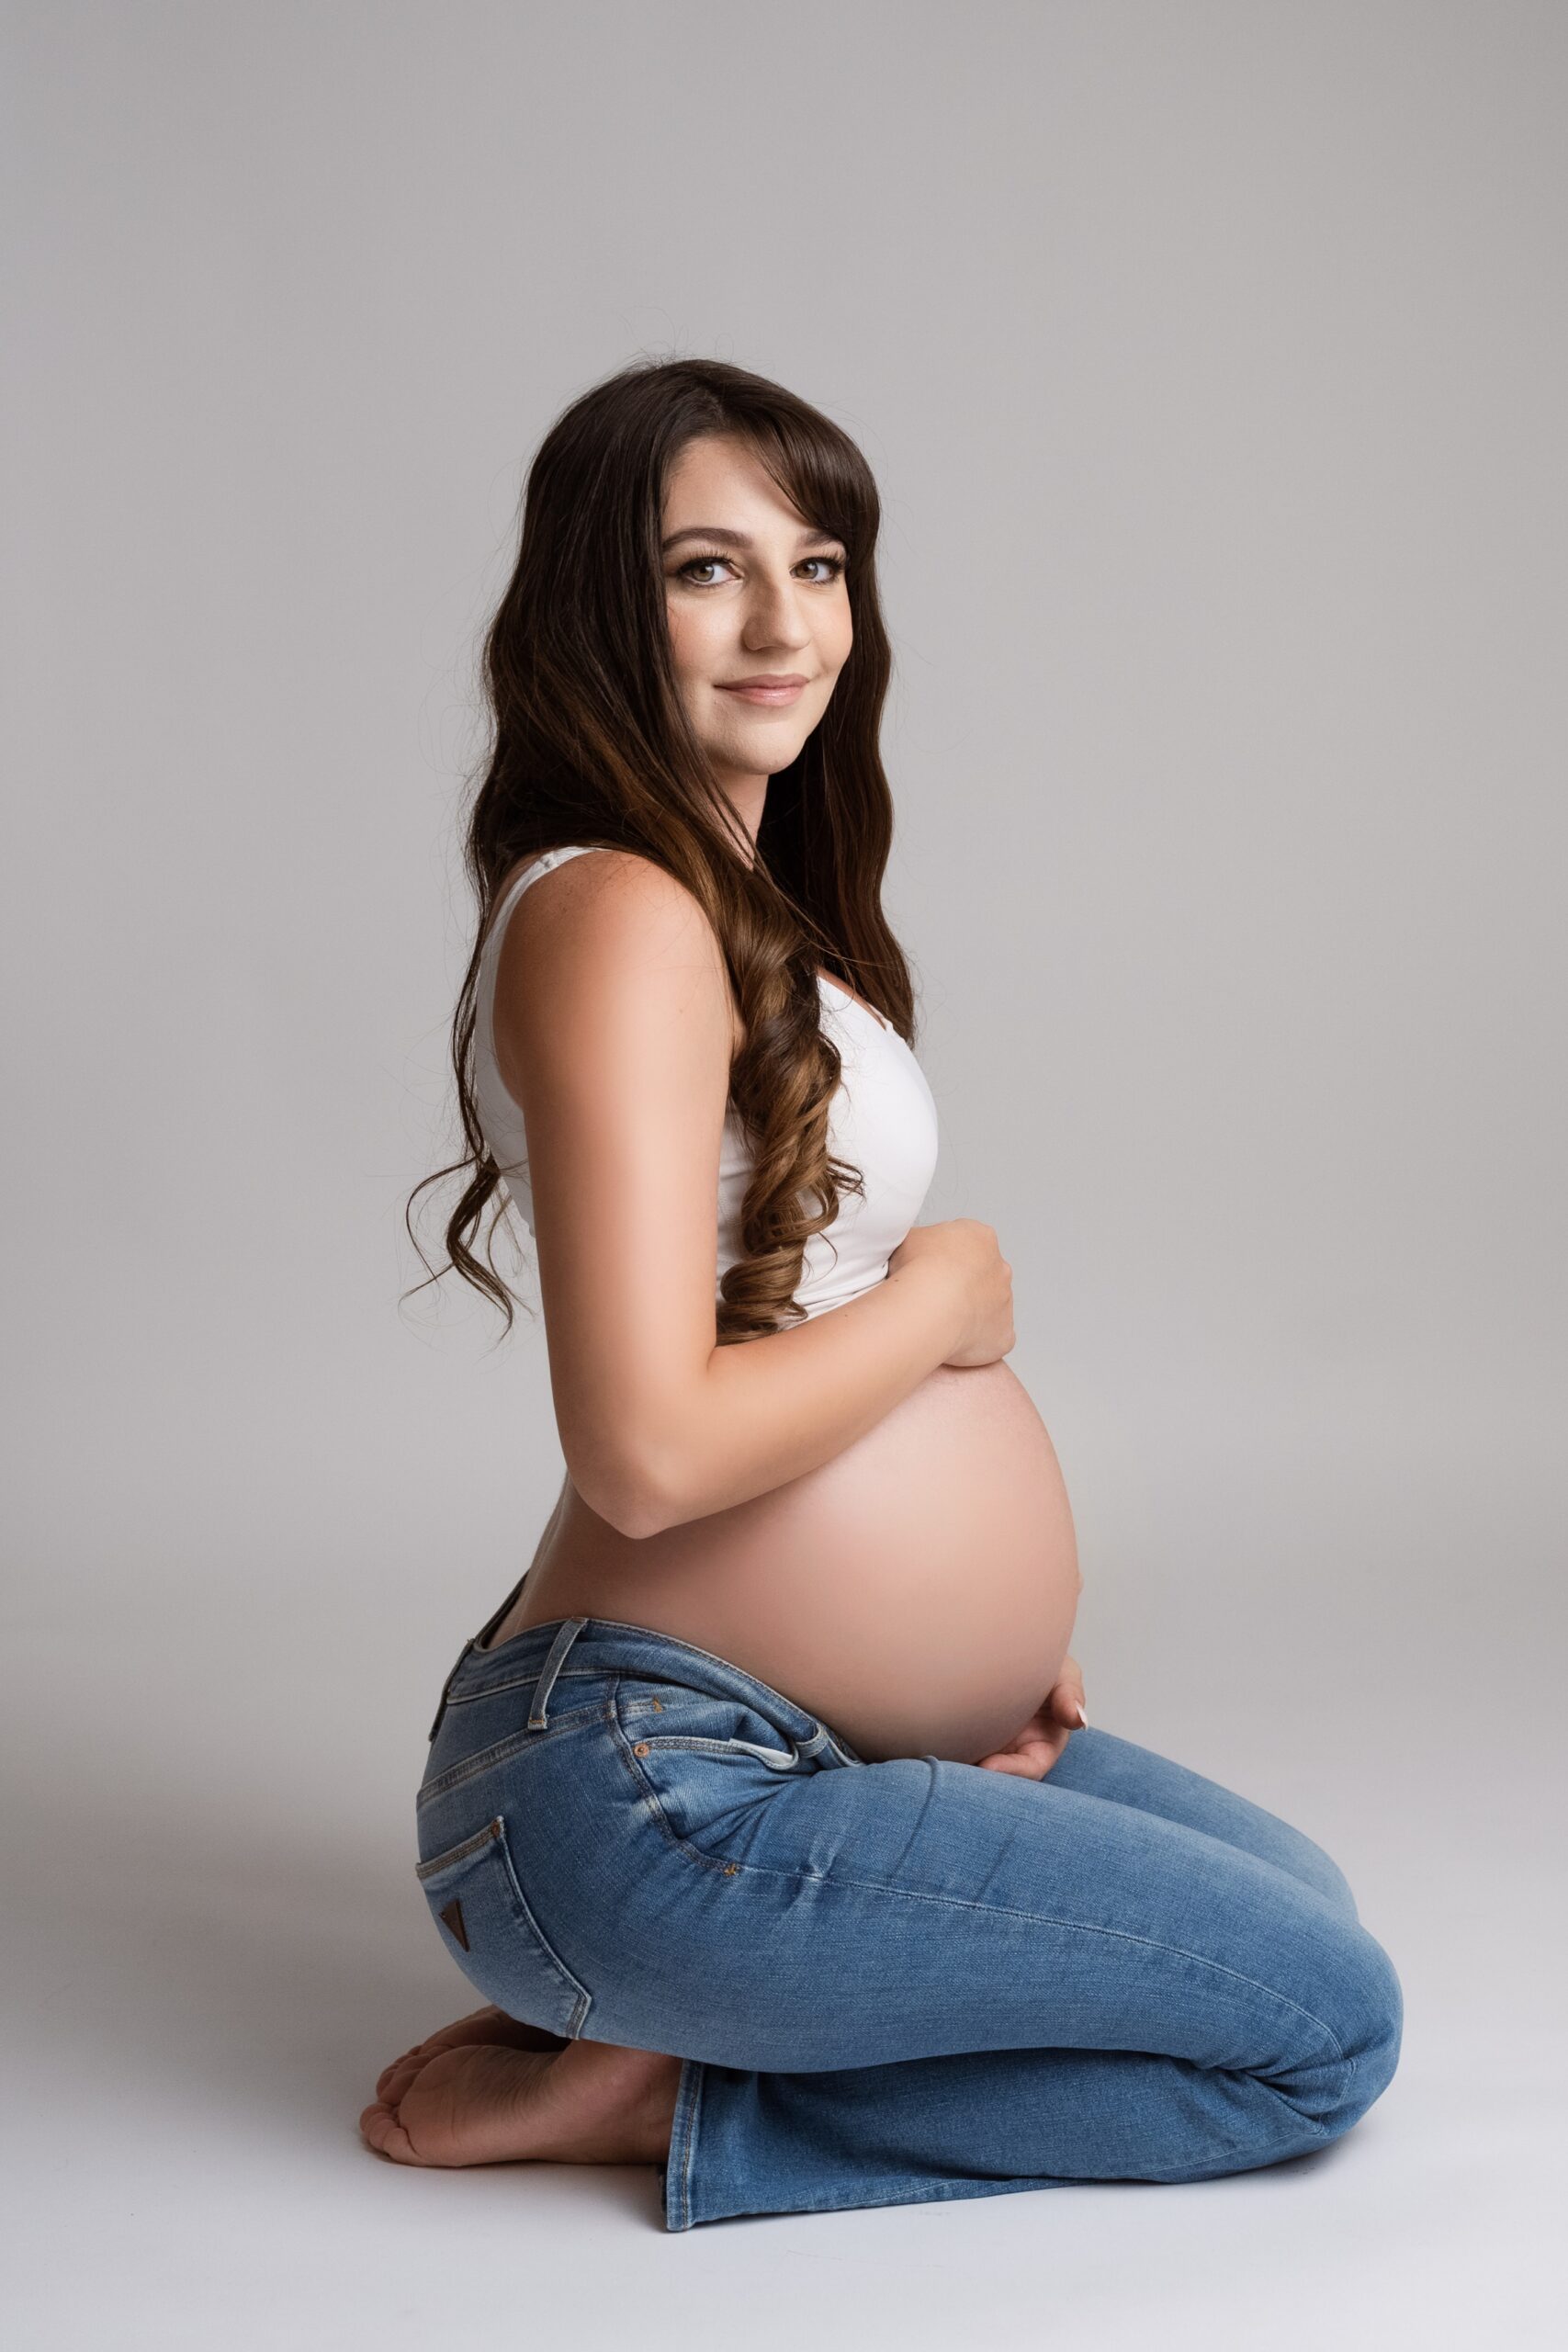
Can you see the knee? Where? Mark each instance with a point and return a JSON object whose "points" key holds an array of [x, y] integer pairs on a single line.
{"points": [[1325, 1873], [1307, 1860], [1369, 2025]]}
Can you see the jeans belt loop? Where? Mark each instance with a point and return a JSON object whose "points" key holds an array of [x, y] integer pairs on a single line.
{"points": [[539, 1718]]}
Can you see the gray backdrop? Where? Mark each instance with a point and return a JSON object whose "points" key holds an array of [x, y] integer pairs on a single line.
{"points": [[1211, 361]]}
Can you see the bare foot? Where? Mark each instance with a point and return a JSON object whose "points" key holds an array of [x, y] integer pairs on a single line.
{"points": [[487, 2103], [488, 2024]]}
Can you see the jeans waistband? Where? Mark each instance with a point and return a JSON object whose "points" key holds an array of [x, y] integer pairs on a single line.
{"points": [[612, 1646]]}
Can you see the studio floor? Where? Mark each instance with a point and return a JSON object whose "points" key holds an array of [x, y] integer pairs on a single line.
{"points": [[217, 1942]]}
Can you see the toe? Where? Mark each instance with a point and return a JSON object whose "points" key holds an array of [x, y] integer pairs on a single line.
{"points": [[487, 2024], [484, 2026], [382, 2130], [397, 2081], [406, 2065]]}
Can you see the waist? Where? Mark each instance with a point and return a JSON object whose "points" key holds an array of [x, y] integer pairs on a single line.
{"points": [[549, 1663]]}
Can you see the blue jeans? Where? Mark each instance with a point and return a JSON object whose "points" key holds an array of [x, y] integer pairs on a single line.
{"points": [[890, 1982]]}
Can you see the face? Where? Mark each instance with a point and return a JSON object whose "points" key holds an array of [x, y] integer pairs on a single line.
{"points": [[753, 592]]}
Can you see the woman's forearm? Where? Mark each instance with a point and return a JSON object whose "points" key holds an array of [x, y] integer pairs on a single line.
{"points": [[768, 1410]]}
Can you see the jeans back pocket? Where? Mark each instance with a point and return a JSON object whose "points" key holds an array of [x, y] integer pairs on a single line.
{"points": [[475, 1900]]}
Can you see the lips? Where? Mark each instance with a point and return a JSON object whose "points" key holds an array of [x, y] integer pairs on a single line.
{"points": [[765, 690]]}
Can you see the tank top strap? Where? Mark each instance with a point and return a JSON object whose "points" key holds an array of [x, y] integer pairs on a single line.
{"points": [[544, 863]]}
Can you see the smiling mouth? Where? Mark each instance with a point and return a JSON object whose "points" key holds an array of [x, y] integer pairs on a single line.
{"points": [[764, 690]]}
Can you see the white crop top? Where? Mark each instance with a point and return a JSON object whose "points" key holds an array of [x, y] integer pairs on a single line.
{"points": [[883, 1120]]}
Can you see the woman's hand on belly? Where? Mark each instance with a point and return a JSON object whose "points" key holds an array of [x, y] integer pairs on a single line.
{"points": [[1031, 1753]]}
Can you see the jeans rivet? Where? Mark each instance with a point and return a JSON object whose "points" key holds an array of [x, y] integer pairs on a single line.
{"points": [[730, 1868], [641, 1748], [659, 1706]]}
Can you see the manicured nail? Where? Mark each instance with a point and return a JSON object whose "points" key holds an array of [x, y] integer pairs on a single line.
{"points": [[1083, 1717]]}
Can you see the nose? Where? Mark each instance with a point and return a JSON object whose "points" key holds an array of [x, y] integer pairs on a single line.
{"points": [[776, 615]]}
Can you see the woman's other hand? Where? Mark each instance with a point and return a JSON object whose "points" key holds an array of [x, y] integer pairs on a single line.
{"points": [[1032, 1751], [970, 1255]]}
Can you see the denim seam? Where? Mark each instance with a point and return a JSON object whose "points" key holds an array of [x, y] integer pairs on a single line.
{"points": [[439, 1863], [501, 1751], [691, 1744], [584, 1997], [670, 1641], [1080, 1927], [471, 1692], [853, 2196], [682, 2144]]}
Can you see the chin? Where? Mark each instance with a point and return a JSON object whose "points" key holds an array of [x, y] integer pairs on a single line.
{"points": [[749, 748]]}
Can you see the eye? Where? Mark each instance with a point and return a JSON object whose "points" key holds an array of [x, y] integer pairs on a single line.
{"points": [[700, 563], [834, 564]]}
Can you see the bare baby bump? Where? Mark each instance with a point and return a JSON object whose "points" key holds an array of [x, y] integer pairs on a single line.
{"points": [[918, 1592]]}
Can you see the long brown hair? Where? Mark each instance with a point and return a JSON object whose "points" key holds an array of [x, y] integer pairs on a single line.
{"points": [[592, 743]]}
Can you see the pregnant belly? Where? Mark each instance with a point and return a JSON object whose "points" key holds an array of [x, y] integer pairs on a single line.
{"points": [[918, 1592]]}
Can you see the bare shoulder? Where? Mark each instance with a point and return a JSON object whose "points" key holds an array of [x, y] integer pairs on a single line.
{"points": [[600, 938]]}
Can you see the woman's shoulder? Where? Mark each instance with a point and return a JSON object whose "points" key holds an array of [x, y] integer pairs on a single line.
{"points": [[623, 885], [615, 914]]}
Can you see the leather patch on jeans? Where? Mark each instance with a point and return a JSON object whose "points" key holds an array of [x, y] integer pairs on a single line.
{"points": [[453, 1914]]}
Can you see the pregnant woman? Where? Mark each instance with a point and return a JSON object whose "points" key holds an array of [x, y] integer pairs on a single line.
{"points": [[764, 1813]]}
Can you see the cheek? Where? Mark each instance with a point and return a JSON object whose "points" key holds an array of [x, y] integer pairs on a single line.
{"points": [[695, 640], [680, 637], [838, 637]]}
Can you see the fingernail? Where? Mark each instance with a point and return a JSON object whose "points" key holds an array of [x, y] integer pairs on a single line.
{"points": [[1083, 1717]]}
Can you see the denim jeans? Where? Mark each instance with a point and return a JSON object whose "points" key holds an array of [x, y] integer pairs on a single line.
{"points": [[891, 1982]]}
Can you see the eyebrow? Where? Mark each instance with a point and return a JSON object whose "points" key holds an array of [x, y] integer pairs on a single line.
{"points": [[735, 539]]}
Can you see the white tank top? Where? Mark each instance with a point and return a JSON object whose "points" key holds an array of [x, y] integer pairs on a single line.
{"points": [[883, 1120]]}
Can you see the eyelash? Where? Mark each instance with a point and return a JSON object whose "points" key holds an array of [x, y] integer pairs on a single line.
{"points": [[714, 556]]}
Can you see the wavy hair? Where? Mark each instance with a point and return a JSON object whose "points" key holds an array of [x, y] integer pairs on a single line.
{"points": [[589, 743]]}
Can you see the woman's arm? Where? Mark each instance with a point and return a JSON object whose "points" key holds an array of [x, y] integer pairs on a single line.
{"points": [[612, 1026]]}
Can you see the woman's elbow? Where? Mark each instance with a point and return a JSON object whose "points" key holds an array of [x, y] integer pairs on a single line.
{"points": [[628, 1493], [637, 1512]]}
